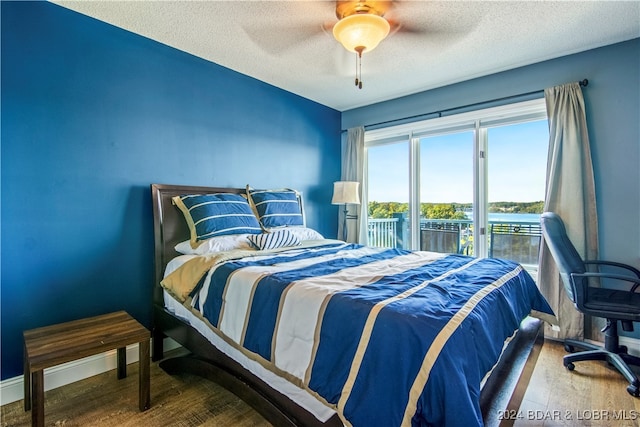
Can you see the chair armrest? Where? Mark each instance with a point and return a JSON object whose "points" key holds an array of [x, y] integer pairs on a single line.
{"points": [[622, 277], [615, 264], [580, 286]]}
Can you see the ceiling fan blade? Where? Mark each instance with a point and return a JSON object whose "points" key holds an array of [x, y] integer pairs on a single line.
{"points": [[407, 17], [340, 63], [405, 28], [284, 38], [288, 25]]}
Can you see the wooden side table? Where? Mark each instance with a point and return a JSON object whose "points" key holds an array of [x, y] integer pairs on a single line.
{"points": [[52, 345]]}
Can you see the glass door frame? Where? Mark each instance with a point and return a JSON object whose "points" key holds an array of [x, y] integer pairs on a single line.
{"points": [[477, 121]]}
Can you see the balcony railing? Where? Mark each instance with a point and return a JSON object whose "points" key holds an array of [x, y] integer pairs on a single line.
{"points": [[382, 233], [515, 240]]}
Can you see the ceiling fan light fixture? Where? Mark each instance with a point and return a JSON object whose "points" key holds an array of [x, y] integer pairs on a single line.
{"points": [[361, 31]]}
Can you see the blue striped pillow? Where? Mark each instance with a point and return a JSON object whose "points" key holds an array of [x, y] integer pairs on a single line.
{"points": [[276, 239], [277, 208], [219, 214]]}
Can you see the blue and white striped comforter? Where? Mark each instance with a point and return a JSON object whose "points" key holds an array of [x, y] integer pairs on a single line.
{"points": [[386, 337]]}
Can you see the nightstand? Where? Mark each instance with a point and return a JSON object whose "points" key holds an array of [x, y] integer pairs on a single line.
{"points": [[53, 345]]}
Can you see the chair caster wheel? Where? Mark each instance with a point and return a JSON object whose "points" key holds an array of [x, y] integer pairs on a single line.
{"points": [[634, 390], [622, 349], [570, 366], [568, 348]]}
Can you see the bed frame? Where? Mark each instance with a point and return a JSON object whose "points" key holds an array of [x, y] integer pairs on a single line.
{"points": [[502, 391]]}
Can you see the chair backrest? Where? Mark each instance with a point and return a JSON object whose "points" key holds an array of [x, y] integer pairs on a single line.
{"points": [[564, 253]]}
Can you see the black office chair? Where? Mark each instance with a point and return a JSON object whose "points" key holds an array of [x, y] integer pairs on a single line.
{"points": [[613, 305]]}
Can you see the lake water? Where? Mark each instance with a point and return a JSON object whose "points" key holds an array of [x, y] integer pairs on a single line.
{"points": [[510, 217]]}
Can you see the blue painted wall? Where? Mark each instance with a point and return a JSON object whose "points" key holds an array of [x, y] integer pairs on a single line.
{"points": [[612, 101], [91, 115]]}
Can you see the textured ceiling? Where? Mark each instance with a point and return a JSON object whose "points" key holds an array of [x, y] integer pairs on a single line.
{"points": [[287, 44]]}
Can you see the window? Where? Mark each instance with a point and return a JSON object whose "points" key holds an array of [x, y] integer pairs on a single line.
{"points": [[470, 183]]}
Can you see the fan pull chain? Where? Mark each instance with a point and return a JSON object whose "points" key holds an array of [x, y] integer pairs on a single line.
{"points": [[359, 50], [357, 69]]}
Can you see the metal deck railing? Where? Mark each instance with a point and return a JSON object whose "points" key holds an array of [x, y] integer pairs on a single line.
{"points": [[515, 240]]}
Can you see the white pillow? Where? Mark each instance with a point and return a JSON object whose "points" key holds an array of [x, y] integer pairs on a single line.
{"points": [[215, 244], [305, 233]]}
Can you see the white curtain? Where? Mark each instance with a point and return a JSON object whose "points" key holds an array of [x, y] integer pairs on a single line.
{"points": [[570, 192], [353, 170]]}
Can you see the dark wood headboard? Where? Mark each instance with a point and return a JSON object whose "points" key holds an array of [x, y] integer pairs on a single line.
{"points": [[169, 226]]}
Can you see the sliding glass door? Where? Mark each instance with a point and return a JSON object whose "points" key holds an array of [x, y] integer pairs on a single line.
{"points": [[446, 192], [388, 197], [516, 168], [471, 183]]}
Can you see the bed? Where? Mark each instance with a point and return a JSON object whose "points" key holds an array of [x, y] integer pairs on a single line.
{"points": [[322, 333]]}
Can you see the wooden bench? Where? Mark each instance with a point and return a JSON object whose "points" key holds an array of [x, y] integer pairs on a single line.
{"points": [[53, 345]]}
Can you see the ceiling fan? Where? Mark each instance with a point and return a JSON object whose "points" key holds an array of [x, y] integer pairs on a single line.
{"points": [[362, 25]]}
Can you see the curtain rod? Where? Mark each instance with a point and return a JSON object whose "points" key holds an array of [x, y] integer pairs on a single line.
{"points": [[583, 83]]}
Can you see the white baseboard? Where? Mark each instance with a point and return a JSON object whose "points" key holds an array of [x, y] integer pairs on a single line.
{"points": [[12, 389], [633, 345]]}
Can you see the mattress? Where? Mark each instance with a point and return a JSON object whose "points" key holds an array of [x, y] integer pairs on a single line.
{"points": [[377, 335], [186, 313]]}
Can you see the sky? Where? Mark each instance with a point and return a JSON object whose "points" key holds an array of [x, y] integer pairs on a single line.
{"points": [[517, 157]]}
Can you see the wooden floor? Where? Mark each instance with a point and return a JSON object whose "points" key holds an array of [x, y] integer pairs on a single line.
{"points": [[592, 395]]}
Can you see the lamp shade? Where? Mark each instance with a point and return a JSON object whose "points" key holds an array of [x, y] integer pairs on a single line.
{"points": [[361, 31], [345, 192]]}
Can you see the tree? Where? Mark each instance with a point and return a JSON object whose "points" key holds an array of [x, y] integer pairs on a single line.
{"points": [[441, 211], [386, 209]]}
